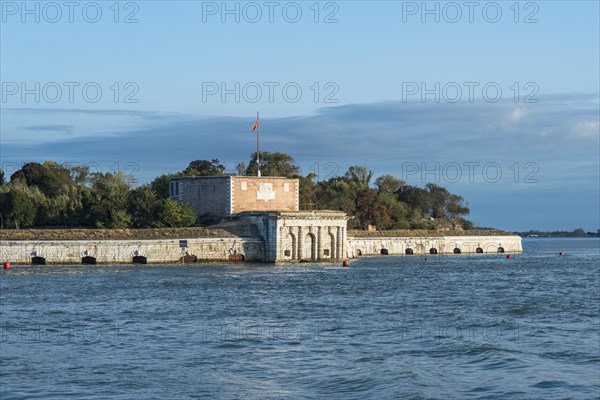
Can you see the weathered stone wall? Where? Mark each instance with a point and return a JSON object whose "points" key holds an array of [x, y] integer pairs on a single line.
{"points": [[300, 236], [218, 196], [264, 194], [122, 251], [209, 195], [433, 245]]}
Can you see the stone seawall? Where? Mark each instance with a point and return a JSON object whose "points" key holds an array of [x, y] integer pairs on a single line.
{"points": [[370, 246], [123, 251], [269, 247]]}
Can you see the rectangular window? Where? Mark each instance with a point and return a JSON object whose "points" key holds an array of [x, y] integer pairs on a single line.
{"points": [[174, 189], [286, 187], [326, 252], [244, 185], [287, 253]]}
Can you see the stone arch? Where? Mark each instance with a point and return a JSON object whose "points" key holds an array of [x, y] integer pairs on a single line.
{"points": [[479, 250], [500, 249], [309, 247], [409, 251], [329, 246], [384, 252], [456, 250], [433, 250], [290, 246], [358, 252]]}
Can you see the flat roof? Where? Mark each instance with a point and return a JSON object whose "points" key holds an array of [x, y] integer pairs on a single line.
{"points": [[231, 176]]}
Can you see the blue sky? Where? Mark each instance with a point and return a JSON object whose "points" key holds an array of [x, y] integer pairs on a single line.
{"points": [[498, 102]]}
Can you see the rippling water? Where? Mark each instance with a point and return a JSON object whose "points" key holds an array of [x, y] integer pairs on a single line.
{"points": [[438, 327]]}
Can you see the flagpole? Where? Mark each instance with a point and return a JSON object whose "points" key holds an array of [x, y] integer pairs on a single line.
{"points": [[257, 144]]}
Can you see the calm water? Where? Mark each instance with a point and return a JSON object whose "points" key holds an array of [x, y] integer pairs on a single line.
{"points": [[393, 327]]}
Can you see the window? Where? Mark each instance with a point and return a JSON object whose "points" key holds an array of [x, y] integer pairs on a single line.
{"points": [[174, 189], [244, 185], [286, 187]]}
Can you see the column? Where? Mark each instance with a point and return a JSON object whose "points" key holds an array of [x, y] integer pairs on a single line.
{"points": [[300, 242], [344, 243], [319, 242], [338, 242]]}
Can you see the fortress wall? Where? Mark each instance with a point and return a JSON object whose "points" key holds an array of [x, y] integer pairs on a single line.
{"points": [[122, 251], [423, 245]]}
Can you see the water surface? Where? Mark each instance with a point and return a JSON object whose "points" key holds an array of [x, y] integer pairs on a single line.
{"points": [[460, 326]]}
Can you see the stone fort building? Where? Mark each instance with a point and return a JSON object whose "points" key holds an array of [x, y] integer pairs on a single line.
{"points": [[268, 208], [264, 213]]}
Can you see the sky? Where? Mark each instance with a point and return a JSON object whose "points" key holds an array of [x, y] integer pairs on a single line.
{"points": [[497, 101]]}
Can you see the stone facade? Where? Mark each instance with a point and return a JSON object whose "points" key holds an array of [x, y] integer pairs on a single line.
{"points": [[301, 236], [359, 246], [123, 251], [218, 196]]}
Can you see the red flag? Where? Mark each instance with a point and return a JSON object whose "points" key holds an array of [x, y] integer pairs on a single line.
{"points": [[255, 126]]}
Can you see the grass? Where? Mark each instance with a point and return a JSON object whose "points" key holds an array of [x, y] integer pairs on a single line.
{"points": [[197, 232], [111, 234], [427, 233]]}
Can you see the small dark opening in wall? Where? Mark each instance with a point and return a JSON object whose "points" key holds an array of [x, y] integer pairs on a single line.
{"points": [[326, 252], [500, 249], [409, 251], [456, 250], [384, 252], [433, 250], [38, 260], [88, 260], [287, 253], [140, 260], [187, 259], [237, 257]]}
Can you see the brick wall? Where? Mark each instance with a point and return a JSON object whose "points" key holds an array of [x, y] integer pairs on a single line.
{"points": [[264, 194]]}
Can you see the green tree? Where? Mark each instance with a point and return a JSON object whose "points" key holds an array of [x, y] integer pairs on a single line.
{"points": [[19, 207], [579, 232], [108, 201], [417, 200], [142, 205], [5, 205], [2, 178], [273, 164], [50, 177], [241, 168], [337, 194], [205, 168], [360, 175], [160, 185], [307, 192], [175, 215], [388, 184], [370, 210]]}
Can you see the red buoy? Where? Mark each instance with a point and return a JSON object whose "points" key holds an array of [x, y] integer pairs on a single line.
{"points": [[508, 256], [562, 253], [7, 265], [345, 263]]}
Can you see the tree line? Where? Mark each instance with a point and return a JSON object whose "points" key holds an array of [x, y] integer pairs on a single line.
{"points": [[50, 194]]}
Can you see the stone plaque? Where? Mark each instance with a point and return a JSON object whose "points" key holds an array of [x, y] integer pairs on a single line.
{"points": [[266, 192]]}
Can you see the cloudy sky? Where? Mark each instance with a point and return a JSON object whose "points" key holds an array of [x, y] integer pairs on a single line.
{"points": [[498, 101]]}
